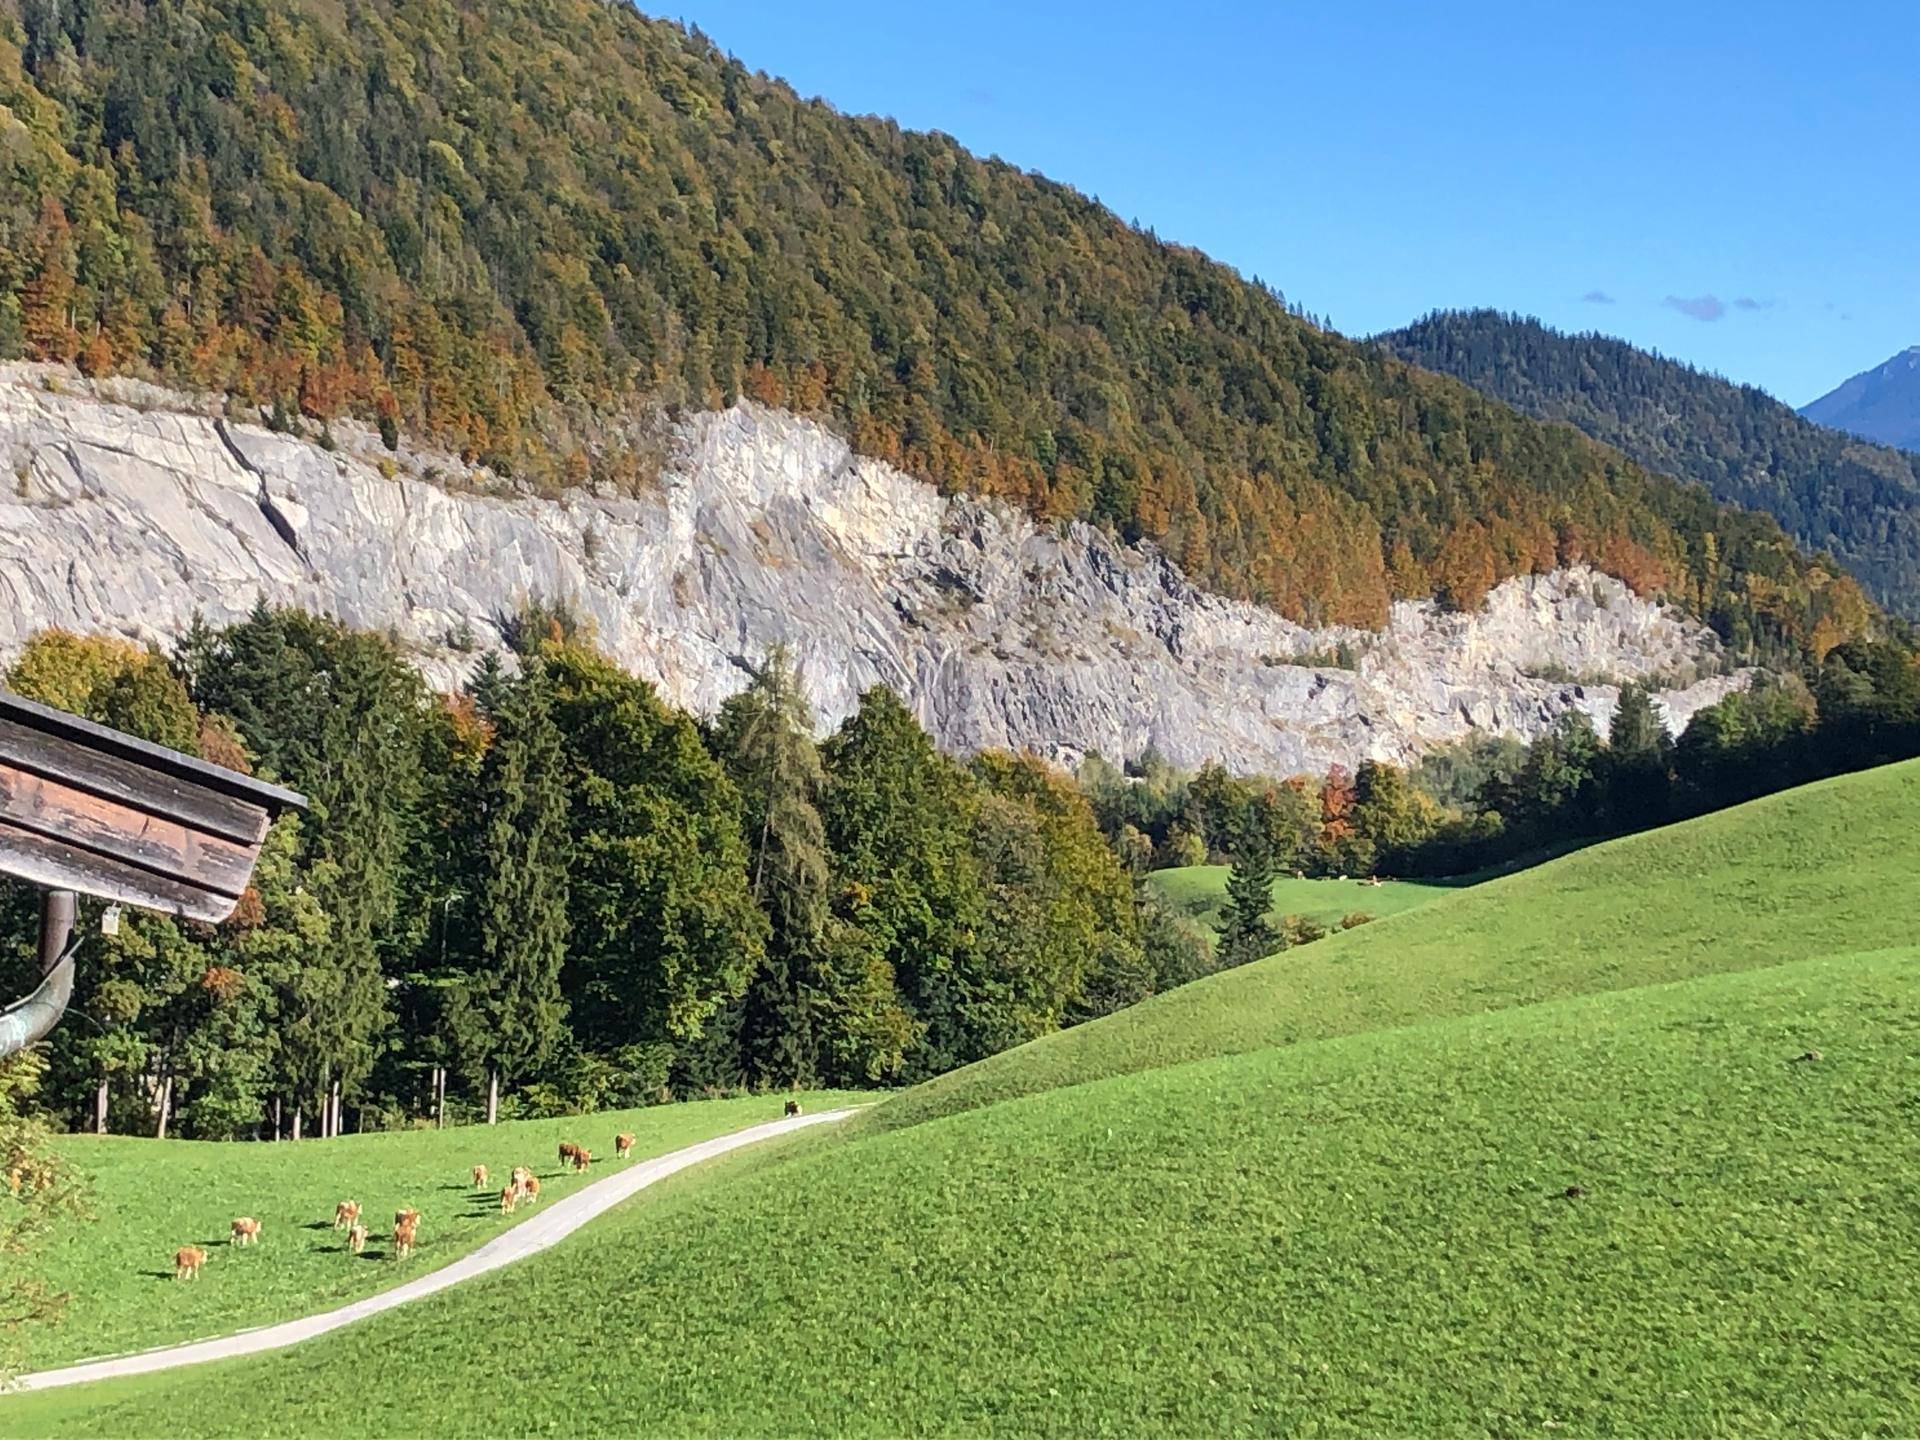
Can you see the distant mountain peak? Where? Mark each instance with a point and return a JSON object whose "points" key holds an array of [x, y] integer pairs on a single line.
{"points": [[1880, 404]]}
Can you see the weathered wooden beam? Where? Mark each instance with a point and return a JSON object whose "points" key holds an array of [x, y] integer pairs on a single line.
{"points": [[146, 755], [119, 832], [54, 757], [56, 865]]}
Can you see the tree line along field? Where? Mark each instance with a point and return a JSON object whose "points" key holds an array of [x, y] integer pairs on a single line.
{"points": [[147, 1198], [551, 889], [1526, 1159]]}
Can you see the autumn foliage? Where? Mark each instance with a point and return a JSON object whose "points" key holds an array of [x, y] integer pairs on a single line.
{"points": [[573, 213]]}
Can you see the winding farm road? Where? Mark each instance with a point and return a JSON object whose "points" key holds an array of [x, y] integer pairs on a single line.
{"points": [[530, 1237]]}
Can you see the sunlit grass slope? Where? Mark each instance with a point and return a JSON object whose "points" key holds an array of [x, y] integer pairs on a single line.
{"points": [[1632, 1213], [1814, 871], [1201, 892], [149, 1197]]}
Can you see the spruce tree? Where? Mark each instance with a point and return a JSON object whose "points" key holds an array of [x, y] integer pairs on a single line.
{"points": [[1248, 935], [521, 907], [764, 735], [1637, 776], [1636, 728]]}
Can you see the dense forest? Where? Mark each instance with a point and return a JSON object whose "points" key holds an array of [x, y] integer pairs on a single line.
{"points": [[552, 892], [1833, 492], [519, 227]]}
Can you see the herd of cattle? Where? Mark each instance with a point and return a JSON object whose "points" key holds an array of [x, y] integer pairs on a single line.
{"points": [[523, 1186]]}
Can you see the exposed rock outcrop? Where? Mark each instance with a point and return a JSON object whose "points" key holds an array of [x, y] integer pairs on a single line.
{"points": [[130, 510]]}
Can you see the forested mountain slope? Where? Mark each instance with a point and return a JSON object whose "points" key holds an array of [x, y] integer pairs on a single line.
{"points": [[1832, 491], [501, 223]]}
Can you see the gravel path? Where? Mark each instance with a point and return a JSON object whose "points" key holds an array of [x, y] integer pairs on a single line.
{"points": [[552, 1225]]}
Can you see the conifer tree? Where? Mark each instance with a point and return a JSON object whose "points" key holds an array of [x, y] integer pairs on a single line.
{"points": [[1248, 935], [1637, 775], [764, 737], [521, 905]]}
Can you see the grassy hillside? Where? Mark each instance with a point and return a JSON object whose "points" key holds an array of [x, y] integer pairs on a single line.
{"points": [[1806, 872], [1833, 492], [148, 1198], [503, 223], [1201, 891], [1632, 1213]]}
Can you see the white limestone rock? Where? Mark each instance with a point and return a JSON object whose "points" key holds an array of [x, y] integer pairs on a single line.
{"points": [[131, 510]]}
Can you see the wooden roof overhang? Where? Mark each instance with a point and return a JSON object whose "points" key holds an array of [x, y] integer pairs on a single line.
{"points": [[92, 810]]}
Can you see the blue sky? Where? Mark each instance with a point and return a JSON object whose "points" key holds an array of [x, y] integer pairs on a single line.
{"points": [[1738, 180]]}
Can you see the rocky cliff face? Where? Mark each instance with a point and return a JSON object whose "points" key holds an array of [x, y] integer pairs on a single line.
{"points": [[130, 510]]}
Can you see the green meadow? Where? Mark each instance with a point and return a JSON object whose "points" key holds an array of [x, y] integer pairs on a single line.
{"points": [[148, 1198], [1820, 870], [1201, 892], [1619, 1146]]}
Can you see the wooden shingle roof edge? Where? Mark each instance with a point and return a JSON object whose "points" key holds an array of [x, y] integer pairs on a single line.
{"points": [[30, 715]]}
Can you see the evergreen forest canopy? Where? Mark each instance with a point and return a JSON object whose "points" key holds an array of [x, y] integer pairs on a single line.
{"points": [[1832, 491], [512, 226]]}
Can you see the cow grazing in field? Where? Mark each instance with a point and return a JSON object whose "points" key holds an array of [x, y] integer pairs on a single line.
{"points": [[479, 1177], [569, 1154], [509, 1197], [357, 1238], [582, 1157], [246, 1230], [346, 1214], [187, 1261], [623, 1147], [793, 1107], [405, 1232]]}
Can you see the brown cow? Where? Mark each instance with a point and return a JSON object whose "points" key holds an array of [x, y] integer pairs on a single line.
{"points": [[521, 1174], [509, 1197], [187, 1261], [530, 1189], [346, 1214], [793, 1107], [623, 1147], [569, 1154], [479, 1177], [582, 1157], [357, 1238], [404, 1234], [246, 1230]]}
